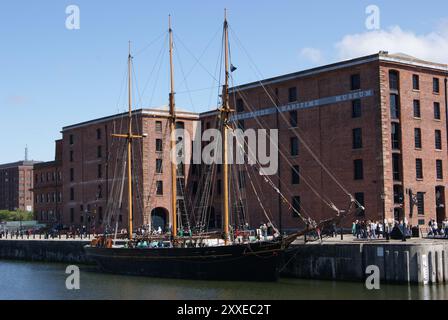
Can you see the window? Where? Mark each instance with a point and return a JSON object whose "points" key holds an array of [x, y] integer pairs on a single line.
{"points": [[72, 215], [394, 106], [159, 166], [297, 206], [356, 108], [292, 94], [437, 110], [158, 126], [72, 174], [180, 169], [71, 139], [295, 174], [395, 136], [180, 125], [421, 203], [355, 82], [418, 138], [435, 85], [415, 82], [195, 187], [396, 165], [71, 155], [100, 213], [438, 139], [359, 196], [393, 80], [358, 169], [417, 110], [239, 105], [398, 195], [98, 134], [293, 120], [99, 152], [159, 188], [241, 180], [357, 138], [100, 191], [419, 169], [218, 186], [72, 194], [100, 171], [159, 145], [439, 169], [294, 142]]}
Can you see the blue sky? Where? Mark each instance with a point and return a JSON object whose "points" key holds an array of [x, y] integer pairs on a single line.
{"points": [[52, 77]]}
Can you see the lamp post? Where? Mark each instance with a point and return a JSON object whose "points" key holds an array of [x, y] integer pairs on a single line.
{"points": [[385, 225]]}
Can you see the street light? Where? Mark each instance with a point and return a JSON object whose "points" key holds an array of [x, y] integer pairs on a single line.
{"points": [[385, 225]]}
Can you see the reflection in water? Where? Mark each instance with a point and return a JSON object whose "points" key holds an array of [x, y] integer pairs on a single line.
{"points": [[24, 280]]}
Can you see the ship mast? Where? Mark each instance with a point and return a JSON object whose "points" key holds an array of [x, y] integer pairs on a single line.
{"points": [[173, 142], [129, 138], [225, 111]]}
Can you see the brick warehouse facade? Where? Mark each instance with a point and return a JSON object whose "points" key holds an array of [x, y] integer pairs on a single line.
{"points": [[16, 184], [92, 158], [47, 190], [378, 123], [358, 118]]}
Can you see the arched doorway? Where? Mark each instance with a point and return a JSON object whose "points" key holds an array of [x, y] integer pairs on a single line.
{"points": [[159, 218]]}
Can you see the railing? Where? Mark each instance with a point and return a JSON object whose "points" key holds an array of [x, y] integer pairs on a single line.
{"points": [[46, 236]]}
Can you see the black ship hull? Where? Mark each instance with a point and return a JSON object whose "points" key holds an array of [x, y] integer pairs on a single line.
{"points": [[245, 262]]}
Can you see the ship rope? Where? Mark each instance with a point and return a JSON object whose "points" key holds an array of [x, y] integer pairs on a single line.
{"points": [[298, 135]]}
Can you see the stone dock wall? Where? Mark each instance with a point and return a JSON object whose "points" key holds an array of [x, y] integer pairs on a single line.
{"points": [[418, 263], [65, 251]]}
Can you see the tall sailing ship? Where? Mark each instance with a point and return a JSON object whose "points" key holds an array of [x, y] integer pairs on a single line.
{"points": [[202, 255]]}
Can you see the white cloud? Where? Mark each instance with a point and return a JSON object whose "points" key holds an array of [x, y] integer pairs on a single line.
{"points": [[432, 46], [312, 54]]}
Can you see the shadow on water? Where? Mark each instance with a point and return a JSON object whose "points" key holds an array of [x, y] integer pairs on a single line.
{"points": [[25, 280]]}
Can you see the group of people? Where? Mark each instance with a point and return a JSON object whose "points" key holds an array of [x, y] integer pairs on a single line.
{"points": [[265, 230], [362, 229], [435, 230]]}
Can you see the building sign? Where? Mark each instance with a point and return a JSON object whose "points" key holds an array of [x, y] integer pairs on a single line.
{"points": [[304, 105]]}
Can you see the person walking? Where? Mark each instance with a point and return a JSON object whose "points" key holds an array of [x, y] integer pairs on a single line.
{"points": [[445, 227]]}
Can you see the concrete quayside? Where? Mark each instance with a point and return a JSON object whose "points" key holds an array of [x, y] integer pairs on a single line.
{"points": [[416, 261]]}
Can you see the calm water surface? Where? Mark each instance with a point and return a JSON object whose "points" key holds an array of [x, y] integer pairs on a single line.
{"points": [[25, 280]]}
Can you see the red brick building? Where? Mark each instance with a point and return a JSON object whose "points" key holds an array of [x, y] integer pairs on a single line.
{"points": [[92, 169], [16, 184], [377, 124], [48, 200]]}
